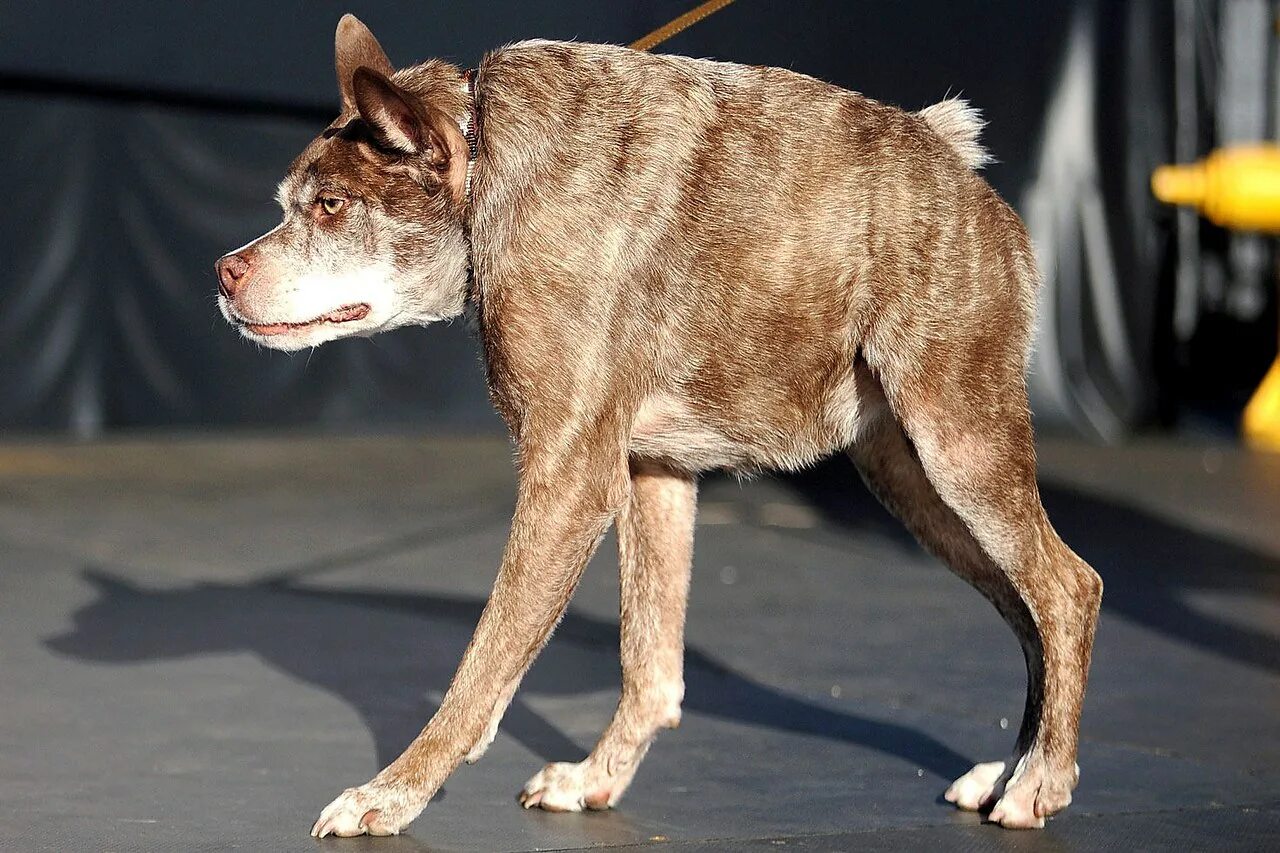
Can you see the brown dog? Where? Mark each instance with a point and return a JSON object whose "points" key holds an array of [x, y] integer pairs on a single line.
{"points": [[679, 265]]}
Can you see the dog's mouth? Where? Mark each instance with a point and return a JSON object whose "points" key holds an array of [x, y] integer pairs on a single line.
{"points": [[346, 314]]}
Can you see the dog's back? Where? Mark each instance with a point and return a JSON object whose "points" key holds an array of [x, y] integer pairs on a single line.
{"points": [[735, 238]]}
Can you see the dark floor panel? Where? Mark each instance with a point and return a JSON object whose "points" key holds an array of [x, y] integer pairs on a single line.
{"points": [[203, 642], [1219, 829]]}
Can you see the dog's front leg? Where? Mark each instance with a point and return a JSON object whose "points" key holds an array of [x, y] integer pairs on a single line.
{"points": [[655, 550], [567, 498]]}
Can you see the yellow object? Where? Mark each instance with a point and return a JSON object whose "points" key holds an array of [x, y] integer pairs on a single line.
{"points": [[1236, 187], [1262, 415]]}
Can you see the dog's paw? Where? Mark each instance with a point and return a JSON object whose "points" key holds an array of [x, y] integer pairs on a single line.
{"points": [[567, 787], [369, 810], [977, 788], [1032, 794]]}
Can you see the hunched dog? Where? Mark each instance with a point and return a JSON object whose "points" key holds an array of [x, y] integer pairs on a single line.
{"points": [[679, 265]]}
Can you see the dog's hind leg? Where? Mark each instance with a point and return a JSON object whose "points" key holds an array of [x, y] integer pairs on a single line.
{"points": [[655, 544], [964, 483]]}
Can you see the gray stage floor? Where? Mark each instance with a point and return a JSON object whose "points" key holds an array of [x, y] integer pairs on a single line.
{"points": [[203, 641]]}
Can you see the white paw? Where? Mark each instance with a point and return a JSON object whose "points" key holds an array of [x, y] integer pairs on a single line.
{"points": [[568, 787], [369, 810], [975, 789], [1017, 810], [1033, 793]]}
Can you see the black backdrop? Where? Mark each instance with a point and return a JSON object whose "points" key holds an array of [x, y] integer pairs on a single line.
{"points": [[146, 138]]}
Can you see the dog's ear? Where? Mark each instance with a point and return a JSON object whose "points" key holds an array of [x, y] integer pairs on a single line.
{"points": [[401, 122], [397, 122], [355, 47]]}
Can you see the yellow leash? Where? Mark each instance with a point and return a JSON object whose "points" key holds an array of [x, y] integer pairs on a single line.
{"points": [[680, 24]]}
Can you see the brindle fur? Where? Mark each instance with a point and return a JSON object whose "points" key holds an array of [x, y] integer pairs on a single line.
{"points": [[682, 265]]}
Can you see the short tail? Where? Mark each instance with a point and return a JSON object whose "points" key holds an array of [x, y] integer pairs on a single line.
{"points": [[959, 125]]}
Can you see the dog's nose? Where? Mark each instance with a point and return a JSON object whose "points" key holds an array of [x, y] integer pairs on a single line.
{"points": [[233, 272]]}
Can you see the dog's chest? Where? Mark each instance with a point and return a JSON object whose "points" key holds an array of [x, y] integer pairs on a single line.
{"points": [[668, 428], [735, 434]]}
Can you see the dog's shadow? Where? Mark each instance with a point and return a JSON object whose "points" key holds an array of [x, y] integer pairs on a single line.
{"points": [[385, 653], [1152, 567]]}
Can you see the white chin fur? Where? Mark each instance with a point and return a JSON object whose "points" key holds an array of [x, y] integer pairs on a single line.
{"points": [[303, 298]]}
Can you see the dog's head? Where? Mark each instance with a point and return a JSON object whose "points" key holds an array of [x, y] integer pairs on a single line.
{"points": [[373, 231]]}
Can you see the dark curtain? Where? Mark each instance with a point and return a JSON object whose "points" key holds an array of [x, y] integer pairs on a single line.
{"points": [[146, 138]]}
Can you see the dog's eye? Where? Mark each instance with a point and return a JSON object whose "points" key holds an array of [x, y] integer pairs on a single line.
{"points": [[331, 204]]}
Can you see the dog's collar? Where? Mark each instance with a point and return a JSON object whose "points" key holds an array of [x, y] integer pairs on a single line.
{"points": [[468, 126]]}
